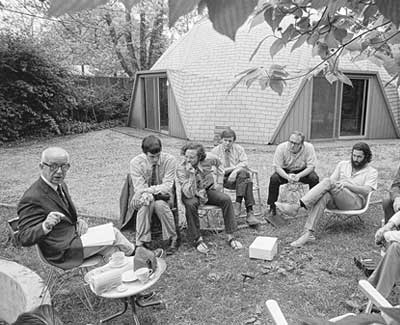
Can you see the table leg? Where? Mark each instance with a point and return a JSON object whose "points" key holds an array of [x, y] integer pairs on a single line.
{"points": [[116, 314], [132, 301]]}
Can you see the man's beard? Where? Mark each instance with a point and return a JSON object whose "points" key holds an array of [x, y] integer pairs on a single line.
{"points": [[358, 165]]}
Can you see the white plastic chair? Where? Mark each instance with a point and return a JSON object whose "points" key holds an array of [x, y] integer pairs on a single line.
{"points": [[375, 297], [348, 213]]}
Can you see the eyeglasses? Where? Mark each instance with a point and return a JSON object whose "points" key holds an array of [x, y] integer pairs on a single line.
{"points": [[295, 143], [54, 167]]}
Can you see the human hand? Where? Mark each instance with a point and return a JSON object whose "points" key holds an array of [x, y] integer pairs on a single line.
{"points": [[52, 219], [379, 238], [292, 178], [81, 227], [396, 204], [219, 187]]}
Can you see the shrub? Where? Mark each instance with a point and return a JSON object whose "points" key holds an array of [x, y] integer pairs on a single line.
{"points": [[35, 92]]}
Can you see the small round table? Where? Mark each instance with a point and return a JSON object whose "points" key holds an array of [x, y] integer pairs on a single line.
{"points": [[130, 295]]}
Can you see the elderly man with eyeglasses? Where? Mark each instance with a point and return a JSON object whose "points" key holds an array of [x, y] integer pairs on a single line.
{"points": [[48, 218], [294, 161]]}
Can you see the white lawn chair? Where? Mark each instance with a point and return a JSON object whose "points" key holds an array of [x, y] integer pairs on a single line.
{"points": [[334, 214], [372, 294]]}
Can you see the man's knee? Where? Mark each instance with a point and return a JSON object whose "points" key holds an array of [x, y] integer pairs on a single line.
{"points": [[243, 174], [275, 179], [161, 206], [313, 178], [191, 204]]}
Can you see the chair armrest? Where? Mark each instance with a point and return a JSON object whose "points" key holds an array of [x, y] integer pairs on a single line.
{"points": [[373, 294], [275, 312]]}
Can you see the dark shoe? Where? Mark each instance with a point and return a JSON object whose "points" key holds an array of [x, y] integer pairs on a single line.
{"points": [[159, 253], [173, 247], [251, 219]]}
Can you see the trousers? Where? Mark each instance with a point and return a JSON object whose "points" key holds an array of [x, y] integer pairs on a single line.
{"points": [[387, 272], [215, 198], [326, 195], [121, 243], [243, 186], [143, 221], [276, 181]]}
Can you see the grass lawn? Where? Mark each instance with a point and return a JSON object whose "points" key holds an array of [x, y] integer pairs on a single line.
{"points": [[312, 281]]}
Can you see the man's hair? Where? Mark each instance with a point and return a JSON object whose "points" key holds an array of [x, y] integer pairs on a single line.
{"points": [[201, 152], [41, 315], [53, 151], [299, 134], [151, 144], [228, 133], [362, 146]]}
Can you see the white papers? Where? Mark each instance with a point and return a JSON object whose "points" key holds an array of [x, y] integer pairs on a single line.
{"points": [[102, 235]]}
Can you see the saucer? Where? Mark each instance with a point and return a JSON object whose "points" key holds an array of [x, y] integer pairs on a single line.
{"points": [[129, 276]]}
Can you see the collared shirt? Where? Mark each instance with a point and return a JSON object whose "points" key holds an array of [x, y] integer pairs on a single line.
{"points": [[202, 177], [292, 162], [140, 170], [365, 176], [54, 187], [236, 155]]}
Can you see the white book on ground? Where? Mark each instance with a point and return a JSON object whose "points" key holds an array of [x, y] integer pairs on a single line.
{"points": [[102, 235]]}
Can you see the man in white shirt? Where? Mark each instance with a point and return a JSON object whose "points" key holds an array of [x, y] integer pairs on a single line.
{"points": [[294, 161], [346, 189], [236, 173]]}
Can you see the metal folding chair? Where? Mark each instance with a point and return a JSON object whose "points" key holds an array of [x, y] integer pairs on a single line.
{"points": [[57, 277]]}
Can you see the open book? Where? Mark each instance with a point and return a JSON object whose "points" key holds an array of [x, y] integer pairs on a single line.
{"points": [[102, 235]]}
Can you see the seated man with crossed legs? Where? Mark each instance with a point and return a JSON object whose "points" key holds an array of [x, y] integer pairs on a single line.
{"points": [[236, 173], [346, 189]]}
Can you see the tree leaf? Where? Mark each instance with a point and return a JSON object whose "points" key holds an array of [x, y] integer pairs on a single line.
{"points": [[276, 85], [330, 77], [60, 7], [390, 9], [340, 34], [369, 12], [258, 47], [331, 40], [343, 78], [276, 46], [228, 15], [299, 42], [178, 8], [289, 33], [257, 19]]}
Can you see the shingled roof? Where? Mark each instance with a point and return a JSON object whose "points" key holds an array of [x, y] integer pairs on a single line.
{"points": [[202, 65]]}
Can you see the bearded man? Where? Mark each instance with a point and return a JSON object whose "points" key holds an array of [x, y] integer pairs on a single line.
{"points": [[346, 189]]}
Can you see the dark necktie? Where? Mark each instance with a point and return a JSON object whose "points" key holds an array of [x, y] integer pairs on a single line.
{"points": [[153, 178], [61, 195], [227, 158]]}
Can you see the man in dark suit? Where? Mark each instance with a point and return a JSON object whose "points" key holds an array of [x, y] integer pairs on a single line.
{"points": [[48, 218]]}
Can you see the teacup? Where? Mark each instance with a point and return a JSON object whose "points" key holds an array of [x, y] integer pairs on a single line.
{"points": [[143, 274], [117, 259]]}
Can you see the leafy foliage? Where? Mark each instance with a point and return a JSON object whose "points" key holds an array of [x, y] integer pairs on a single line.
{"points": [[34, 91], [365, 28]]}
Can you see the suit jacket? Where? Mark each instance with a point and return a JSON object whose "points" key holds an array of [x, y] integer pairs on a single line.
{"points": [[62, 246]]}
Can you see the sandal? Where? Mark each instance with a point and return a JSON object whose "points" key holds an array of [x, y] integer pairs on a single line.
{"points": [[202, 247], [235, 244]]}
